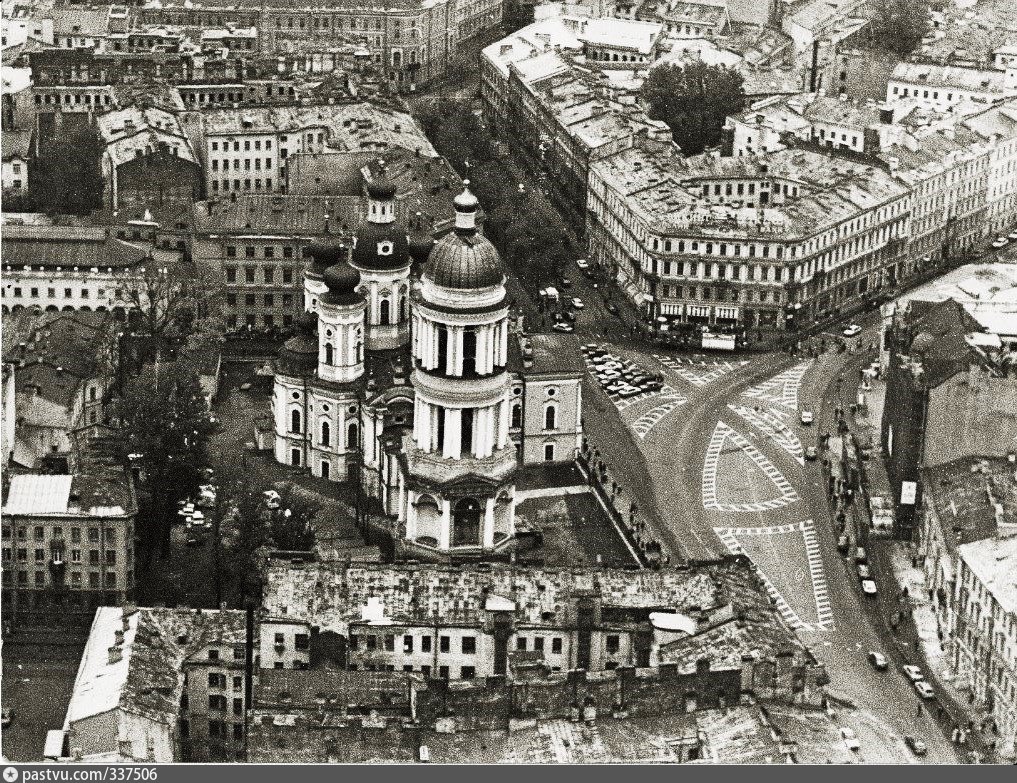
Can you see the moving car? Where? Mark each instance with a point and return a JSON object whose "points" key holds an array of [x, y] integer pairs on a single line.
{"points": [[582, 263], [869, 587], [850, 738], [577, 303], [852, 330], [811, 453], [842, 544], [807, 417], [563, 326], [999, 242], [197, 519], [863, 571], [861, 556], [925, 690], [878, 661], [912, 672], [917, 747]]}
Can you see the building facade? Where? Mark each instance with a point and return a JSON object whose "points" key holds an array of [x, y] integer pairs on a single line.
{"points": [[985, 630]]}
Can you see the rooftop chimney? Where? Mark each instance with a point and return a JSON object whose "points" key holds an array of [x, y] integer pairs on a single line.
{"points": [[115, 654]]}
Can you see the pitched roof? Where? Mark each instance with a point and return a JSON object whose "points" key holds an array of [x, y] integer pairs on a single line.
{"points": [[994, 563], [269, 214], [37, 494], [60, 246]]}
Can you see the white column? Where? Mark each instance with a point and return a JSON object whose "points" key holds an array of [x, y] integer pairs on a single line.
{"points": [[504, 412], [401, 511], [455, 350], [488, 533], [445, 531], [453, 433]]}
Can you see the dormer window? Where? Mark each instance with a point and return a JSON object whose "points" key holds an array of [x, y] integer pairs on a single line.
{"points": [[385, 248]]}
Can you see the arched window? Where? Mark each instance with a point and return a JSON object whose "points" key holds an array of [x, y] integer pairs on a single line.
{"points": [[352, 436], [326, 434], [517, 415], [383, 311], [295, 420], [466, 522], [550, 417], [329, 355]]}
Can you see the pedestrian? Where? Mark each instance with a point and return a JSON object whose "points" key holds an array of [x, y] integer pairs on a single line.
{"points": [[919, 709], [955, 736]]}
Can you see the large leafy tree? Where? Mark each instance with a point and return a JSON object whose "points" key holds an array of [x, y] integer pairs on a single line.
{"points": [[694, 100], [165, 426], [900, 25], [66, 176]]}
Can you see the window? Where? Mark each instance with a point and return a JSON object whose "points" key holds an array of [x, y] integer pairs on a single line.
{"points": [[390, 642], [612, 643], [443, 672], [550, 417], [467, 672], [213, 655], [556, 645], [521, 643], [217, 703], [216, 680], [548, 452], [231, 275], [469, 645], [407, 643], [444, 644], [425, 644]]}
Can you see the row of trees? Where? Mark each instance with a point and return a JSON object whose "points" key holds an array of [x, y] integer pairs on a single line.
{"points": [[532, 239]]}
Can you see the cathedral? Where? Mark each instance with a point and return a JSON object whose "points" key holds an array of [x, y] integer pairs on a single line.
{"points": [[409, 375]]}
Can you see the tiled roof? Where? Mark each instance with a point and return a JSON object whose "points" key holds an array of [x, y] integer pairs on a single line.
{"points": [[267, 214]]}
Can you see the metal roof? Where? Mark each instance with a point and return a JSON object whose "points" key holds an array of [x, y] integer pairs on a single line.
{"points": [[38, 495]]}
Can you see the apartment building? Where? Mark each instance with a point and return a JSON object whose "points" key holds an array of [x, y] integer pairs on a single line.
{"points": [[68, 542], [68, 268], [469, 622], [985, 629], [147, 161], [408, 43], [941, 86], [998, 125], [258, 243], [745, 242], [247, 151], [17, 149], [158, 686]]}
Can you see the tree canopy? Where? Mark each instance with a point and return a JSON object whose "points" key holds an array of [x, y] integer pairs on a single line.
{"points": [[66, 175], [900, 25], [694, 100]]}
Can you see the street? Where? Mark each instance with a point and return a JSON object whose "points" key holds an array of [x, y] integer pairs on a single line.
{"points": [[727, 473]]}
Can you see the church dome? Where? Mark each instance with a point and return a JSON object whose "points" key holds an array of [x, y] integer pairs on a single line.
{"points": [[323, 255], [380, 247], [381, 188], [465, 259], [342, 281], [420, 245]]}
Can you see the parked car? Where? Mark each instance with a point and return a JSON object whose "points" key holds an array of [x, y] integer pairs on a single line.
{"points": [[999, 242], [861, 556], [925, 690], [566, 283], [582, 263], [912, 672], [863, 571], [1012, 236], [869, 588], [272, 499], [878, 661], [807, 417], [811, 453], [611, 308], [842, 544], [197, 520], [577, 303], [8, 717], [850, 738], [917, 747], [563, 326], [852, 331]]}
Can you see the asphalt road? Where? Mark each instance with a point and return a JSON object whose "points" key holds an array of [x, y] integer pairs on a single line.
{"points": [[793, 542]]}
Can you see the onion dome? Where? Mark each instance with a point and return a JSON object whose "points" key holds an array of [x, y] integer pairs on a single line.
{"points": [[342, 281], [465, 259], [420, 242], [381, 188], [323, 255], [299, 354]]}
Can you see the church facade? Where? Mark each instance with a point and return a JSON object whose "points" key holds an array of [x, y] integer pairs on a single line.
{"points": [[407, 375]]}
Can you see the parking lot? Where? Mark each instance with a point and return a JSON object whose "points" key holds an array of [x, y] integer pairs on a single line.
{"points": [[623, 380]]}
